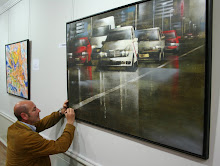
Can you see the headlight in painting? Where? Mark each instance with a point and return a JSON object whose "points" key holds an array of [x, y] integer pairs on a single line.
{"points": [[94, 46], [84, 53], [124, 53], [174, 44], [155, 48], [103, 54], [70, 55]]}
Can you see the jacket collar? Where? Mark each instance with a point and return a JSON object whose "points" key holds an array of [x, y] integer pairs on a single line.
{"points": [[26, 125]]}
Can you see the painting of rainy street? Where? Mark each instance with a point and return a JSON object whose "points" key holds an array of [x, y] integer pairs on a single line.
{"points": [[141, 70]]}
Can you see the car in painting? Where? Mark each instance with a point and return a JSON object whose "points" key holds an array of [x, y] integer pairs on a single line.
{"points": [[189, 36], [80, 52], [171, 41], [100, 31], [120, 48], [151, 44]]}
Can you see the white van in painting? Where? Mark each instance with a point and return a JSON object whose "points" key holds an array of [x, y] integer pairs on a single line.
{"points": [[120, 48], [151, 44]]}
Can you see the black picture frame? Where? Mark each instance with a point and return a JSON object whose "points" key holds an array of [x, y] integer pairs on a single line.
{"points": [[17, 69], [96, 80]]}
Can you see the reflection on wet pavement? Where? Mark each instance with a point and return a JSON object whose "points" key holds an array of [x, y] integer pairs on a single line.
{"points": [[161, 102]]}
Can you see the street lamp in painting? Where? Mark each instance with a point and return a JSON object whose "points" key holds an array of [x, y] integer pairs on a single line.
{"points": [[190, 26], [163, 4], [182, 14], [171, 11], [183, 19]]}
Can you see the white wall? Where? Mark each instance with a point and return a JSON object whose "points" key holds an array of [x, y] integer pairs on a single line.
{"points": [[43, 22]]}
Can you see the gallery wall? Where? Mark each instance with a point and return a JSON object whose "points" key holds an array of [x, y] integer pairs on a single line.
{"points": [[43, 22]]}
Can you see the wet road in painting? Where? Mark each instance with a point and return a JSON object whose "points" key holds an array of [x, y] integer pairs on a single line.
{"points": [[160, 101]]}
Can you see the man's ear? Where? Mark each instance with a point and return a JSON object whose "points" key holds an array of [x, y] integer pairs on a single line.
{"points": [[24, 116]]}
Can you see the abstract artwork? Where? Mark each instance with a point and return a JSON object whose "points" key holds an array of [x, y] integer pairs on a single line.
{"points": [[144, 70], [17, 74]]}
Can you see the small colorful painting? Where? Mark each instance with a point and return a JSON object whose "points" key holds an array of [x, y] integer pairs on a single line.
{"points": [[17, 76]]}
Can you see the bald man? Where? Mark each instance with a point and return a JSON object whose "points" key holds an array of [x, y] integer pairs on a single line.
{"points": [[25, 146]]}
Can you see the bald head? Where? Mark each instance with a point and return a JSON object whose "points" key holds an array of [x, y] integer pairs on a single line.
{"points": [[22, 106]]}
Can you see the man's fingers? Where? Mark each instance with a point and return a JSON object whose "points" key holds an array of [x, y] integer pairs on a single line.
{"points": [[65, 105], [69, 110]]}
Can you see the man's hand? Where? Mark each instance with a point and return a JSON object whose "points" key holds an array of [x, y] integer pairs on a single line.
{"points": [[65, 106], [70, 115]]}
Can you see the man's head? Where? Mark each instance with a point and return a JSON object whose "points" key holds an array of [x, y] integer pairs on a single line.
{"points": [[26, 111]]}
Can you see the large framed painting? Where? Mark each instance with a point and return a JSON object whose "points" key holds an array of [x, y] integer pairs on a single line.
{"points": [[144, 70], [17, 69]]}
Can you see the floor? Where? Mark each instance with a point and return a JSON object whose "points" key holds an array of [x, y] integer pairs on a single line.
{"points": [[2, 154]]}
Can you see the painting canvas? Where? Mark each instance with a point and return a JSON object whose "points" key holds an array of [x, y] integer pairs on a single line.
{"points": [[17, 74], [143, 70]]}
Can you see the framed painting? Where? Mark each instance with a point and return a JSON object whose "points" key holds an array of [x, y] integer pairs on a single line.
{"points": [[144, 70], [17, 69]]}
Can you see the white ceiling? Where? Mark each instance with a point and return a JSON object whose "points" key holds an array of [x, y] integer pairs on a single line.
{"points": [[7, 4], [2, 2]]}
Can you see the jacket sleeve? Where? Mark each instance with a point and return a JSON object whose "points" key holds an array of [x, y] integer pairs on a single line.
{"points": [[48, 121], [38, 146]]}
